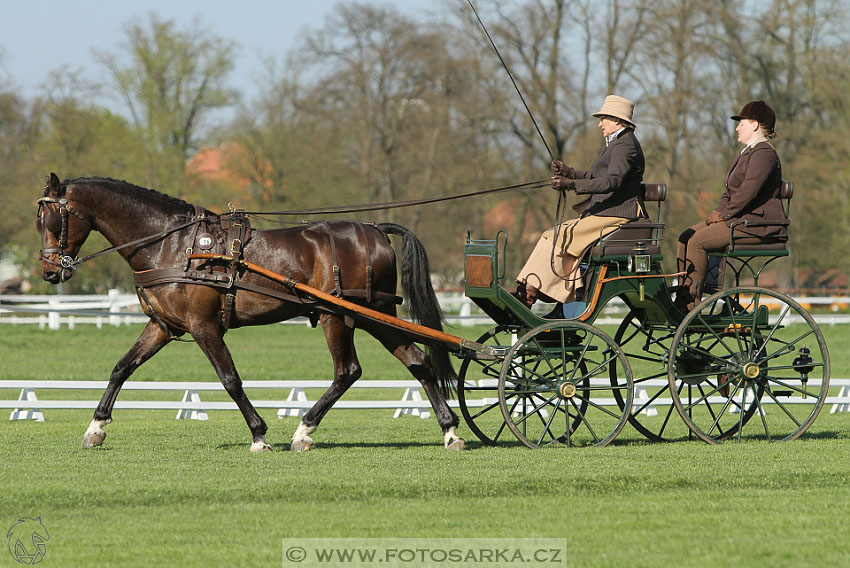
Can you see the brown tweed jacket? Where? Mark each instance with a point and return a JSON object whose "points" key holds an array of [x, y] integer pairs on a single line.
{"points": [[613, 181], [752, 191]]}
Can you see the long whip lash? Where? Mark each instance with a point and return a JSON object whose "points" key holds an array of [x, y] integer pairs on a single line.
{"points": [[505, 65]]}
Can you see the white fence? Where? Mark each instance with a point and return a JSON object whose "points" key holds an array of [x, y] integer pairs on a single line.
{"points": [[116, 308], [53, 311], [28, 407]]}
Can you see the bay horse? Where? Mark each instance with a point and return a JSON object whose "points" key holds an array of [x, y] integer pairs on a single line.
{"points": [[156, 233]]}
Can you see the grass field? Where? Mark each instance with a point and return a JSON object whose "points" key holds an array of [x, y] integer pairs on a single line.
{"points": [[162, 492]]}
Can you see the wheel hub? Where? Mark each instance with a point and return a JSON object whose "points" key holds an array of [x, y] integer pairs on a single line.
{"points": [[750, 370], [567, 390]]}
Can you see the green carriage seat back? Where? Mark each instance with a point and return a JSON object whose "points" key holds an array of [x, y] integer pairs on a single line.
{"points": [[640, 231]]}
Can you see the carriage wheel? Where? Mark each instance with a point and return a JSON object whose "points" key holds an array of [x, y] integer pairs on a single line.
{"points": [[554, 388], [748, 358], [479, 380], [647, 347]]}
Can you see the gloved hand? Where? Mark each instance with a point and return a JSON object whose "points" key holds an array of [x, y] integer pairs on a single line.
{"points": [[713, 217], [562, 183], [559, 168]]}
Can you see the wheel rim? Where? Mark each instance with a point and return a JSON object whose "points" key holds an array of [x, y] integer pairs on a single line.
{"points": [[738, 367], [647, 348], [554, 386], [479, 380]]}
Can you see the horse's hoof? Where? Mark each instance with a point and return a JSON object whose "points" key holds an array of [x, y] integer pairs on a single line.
{"points": [[257, 447], [301, 445], [456, 445], [93, 440]]}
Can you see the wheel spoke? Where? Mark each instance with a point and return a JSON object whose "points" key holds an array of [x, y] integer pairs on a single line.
{"points": [[755, 356], [554, 375], [782, 406], [584, 420], [549, 423]]}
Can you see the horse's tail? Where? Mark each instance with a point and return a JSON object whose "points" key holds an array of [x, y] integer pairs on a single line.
{"points": [[422, 301]]}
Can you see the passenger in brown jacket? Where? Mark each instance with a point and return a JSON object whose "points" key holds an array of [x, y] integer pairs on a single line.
{"points": [[751, 195], [614, 195]]}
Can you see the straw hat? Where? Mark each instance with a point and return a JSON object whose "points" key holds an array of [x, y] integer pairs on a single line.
{"points": [[618, 107]]}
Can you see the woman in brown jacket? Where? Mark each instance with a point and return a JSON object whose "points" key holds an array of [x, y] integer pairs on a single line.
{"points": [[751, 195]]}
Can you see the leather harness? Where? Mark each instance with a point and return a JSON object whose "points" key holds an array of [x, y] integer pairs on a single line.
{"points": [[226, 236]]}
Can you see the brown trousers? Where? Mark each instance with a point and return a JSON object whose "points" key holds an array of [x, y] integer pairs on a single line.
{"points": [[692, 256]]}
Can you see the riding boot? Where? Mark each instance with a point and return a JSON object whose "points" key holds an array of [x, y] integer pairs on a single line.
{"points": [[556, 313]]}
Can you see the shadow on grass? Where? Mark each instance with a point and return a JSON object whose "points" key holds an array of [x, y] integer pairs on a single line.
{"points": [[284, 447]]}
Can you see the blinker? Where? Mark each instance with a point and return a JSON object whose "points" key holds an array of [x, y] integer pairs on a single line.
{"points": [[52, 221]]}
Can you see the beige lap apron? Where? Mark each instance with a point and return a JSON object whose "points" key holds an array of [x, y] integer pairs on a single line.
{"points": [[575, 237]]}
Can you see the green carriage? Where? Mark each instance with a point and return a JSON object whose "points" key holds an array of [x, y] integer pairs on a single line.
{"points": [[746, 361]]}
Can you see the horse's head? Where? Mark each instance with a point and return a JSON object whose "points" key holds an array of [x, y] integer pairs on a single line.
{"points": [[64, 229]]}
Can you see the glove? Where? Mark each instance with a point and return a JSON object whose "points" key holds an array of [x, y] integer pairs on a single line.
{"points": [[559, 168], [562, 183], [713, 217]]}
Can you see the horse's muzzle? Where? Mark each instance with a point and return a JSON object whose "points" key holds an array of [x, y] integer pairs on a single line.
{"points": [[55, 276]]}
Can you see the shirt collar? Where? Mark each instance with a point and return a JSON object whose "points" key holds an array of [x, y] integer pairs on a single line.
{"points": [[609, 139], [753, 143]]}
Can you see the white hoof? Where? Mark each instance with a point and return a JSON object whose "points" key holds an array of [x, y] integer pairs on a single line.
{"points": [[260, 446], [301, 440], [452, 441], [301, 445], [94, 439], [95, 435]]}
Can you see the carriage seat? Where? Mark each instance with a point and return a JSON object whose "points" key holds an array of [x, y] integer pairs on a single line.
{"points": [[770, 246], [645, 232], [768, 250]]}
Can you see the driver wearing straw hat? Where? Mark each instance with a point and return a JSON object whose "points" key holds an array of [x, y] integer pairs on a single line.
{"points": [[614, 196]]}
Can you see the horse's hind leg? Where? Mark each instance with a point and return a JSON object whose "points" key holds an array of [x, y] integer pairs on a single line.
{"points": [[347, 369], [210, 340], [152, 339], [419, 366]]}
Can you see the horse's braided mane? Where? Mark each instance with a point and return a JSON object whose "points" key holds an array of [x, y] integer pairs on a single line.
{"points": [[125, 185]]}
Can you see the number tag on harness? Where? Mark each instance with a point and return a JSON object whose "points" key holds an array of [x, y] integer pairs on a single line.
{"points": [[205, 241]]}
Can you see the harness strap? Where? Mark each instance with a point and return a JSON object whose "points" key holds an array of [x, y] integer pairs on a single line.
{"points": [[176, 274], [200, 214], [238, 233], [148, 308], [369, 271], [337, 276], [227, 302]]}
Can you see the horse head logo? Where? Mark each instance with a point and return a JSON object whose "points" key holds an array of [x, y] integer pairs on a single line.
{"points": [[28, 540]]}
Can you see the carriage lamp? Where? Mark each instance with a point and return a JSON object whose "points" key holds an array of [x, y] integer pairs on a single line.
{"points": [[641, 259], [640, 262], [803, 365]]}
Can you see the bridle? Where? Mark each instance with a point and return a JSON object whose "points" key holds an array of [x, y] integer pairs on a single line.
{"points": [[57, 222]]}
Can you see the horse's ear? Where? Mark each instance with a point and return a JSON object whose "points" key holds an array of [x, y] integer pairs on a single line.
{"points": [[54, 182]]}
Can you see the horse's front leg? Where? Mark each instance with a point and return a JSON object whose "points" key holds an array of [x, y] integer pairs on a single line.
{"points": [[152, 339], [209, 338]]}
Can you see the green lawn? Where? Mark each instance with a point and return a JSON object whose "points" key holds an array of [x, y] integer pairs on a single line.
{"points": [[167, 492]]}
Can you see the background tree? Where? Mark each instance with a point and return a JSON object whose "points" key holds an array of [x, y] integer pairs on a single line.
{"points": [[373, 105], [170, 84]]}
